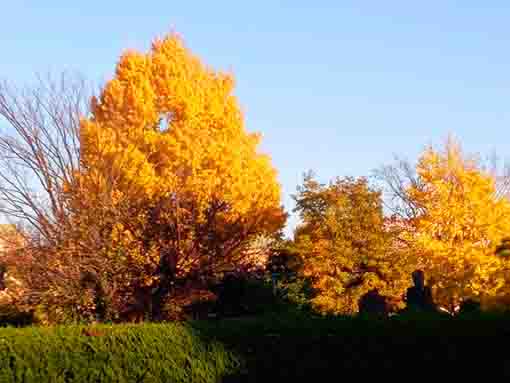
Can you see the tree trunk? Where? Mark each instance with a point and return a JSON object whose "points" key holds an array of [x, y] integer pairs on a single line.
{"points": [[164, 287]]}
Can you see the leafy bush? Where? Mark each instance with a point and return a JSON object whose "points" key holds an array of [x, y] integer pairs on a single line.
{"points": [[259, 298], [298, 292], [247, 295], [231, 291]]}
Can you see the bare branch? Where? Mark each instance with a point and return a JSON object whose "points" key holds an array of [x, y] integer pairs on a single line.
{"points": [[396, 180], [40, 150]]}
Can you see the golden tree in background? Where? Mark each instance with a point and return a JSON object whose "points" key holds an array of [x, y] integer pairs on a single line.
{"points": [[346, 247], [461, 223]]}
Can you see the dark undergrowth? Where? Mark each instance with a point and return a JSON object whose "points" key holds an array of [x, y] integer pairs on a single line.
{"points": [[290, 346]]}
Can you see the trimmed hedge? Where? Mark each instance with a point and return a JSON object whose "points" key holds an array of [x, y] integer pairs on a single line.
{"points": [[119, 353], [286, 346]]}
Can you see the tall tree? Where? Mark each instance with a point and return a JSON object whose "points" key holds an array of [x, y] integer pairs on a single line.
{"points": [[167, 142], [460, 224], [346, 247]]}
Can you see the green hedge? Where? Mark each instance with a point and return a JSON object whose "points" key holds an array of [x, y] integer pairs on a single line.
{"points": [[120, 353], [275, 347]]}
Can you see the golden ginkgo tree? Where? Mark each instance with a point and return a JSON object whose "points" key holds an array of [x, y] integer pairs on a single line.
{"points": [[461, 223], [183, 182]]}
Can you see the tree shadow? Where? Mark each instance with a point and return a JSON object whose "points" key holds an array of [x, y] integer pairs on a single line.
{"points": [[287, 344]]}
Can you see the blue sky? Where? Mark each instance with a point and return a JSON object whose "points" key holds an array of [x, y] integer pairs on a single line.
{"points": [[334, 86]]}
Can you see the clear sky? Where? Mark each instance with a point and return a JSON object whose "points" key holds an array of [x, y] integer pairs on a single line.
{"points": [[334, 86]]}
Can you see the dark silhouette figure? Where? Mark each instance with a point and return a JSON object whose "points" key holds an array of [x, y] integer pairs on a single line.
{"points": [[419, 296], [373, 303]]}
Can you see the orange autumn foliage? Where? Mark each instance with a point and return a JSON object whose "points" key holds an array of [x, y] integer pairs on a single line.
{"points": [[169, 175]]}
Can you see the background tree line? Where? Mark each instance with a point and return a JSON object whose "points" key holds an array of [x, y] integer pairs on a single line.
{"points": [[144, 193]]}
